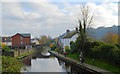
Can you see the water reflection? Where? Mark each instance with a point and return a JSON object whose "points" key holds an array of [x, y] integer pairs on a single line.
{"points": [[43, 65], [46, 63]]}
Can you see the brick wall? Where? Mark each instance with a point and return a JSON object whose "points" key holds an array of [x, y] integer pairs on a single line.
{"points": [[16, 40]]}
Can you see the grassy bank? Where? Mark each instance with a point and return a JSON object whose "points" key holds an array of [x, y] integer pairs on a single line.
{"points": [[98, 63], [25, 54]]}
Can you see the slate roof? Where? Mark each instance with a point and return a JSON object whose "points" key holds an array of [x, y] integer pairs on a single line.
{"points": [[69, 35], [25, 34]]}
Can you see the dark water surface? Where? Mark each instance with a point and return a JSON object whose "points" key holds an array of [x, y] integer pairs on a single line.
{"points": [[46, 63]]}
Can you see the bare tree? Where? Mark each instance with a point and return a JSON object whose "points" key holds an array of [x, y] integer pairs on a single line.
{"points": [[85, 20]]}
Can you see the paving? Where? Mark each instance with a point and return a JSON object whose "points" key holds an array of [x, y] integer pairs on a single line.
{"points": [[84, 65]]}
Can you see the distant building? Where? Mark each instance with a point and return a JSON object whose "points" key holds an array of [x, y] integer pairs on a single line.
{"points": [[20, 40], [35, 41], [0, 39], [7, 41], [66, 38]]}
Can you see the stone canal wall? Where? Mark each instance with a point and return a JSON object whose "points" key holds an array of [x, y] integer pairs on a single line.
{"points": [[84, 66], [17, 52], [23, 51]]}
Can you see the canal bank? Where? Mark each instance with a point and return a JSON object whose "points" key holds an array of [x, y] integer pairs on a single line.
{"points": [[50, 63], [86, 67], [25, 55], [40, 63]]}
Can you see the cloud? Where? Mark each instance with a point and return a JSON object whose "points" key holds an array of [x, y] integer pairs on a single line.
{"points": [[60, 0], [50, 18], [105, 14]]}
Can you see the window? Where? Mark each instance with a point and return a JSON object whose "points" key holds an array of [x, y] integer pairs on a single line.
{"points": [[21, 38], [21, 42]]}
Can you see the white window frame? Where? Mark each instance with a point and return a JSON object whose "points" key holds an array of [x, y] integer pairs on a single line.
{"points": [[21, 42], [21, 38]]}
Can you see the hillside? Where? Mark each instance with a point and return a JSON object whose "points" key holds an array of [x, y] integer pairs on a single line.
{"points": [[101, 31]]}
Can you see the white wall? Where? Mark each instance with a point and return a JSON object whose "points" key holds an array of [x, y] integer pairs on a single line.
{"points": [[35, 41], [8, 43], [66, 41]]}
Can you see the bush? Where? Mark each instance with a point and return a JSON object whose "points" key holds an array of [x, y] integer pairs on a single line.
{"points": [[52, 46], [73, 47], [67, 50], [108, 50], [5, 48], [96, 43], [105, 51], [10, 64], [94, 52]]}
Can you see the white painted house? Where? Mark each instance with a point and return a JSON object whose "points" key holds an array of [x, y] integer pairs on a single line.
{"points": [[66, 38], [35, 41], [7, 41]]}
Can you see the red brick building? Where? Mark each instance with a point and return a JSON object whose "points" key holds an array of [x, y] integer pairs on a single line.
{"points": [[20, 40]]}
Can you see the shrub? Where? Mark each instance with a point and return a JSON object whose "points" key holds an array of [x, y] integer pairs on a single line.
{"points": [[52, 46], [67, 49], [94, 52], [105, 51], [10, 64], [73, 47], [108, 50], [96, 43], [5, 48]]}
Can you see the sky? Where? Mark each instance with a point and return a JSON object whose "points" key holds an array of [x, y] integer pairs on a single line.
{"points": [[52, 18]]}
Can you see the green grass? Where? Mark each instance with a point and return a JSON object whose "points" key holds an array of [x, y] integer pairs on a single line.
{"points": [[103, 65], [74, 56], [98, 63], [11, 50], [25, 54], [55, 50]]}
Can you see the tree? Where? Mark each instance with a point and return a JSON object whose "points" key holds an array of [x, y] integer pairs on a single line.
{"points": [[85, 21], [110, 37], [44, 39]]}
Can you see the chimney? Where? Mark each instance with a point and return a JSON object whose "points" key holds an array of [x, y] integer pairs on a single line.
{"points": [[76, 29], [68, 31]]}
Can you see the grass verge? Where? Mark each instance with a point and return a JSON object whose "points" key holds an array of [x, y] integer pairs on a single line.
{"points": [[98, 63], [25, 54]]}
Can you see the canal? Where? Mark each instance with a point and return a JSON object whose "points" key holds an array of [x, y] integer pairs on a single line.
{"points": [[45, 62]]}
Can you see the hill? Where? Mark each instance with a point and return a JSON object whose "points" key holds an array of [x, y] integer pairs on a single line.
{"points": [[99, 32]]}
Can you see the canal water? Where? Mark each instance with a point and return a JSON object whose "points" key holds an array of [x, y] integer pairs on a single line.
{"points": [[45, 62]]}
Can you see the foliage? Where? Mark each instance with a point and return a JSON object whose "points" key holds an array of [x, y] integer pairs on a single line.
{"points": [[56, 49], [25, 54], [74, 56], [67, 49], [80, 43], [84, 22], [44, 39], [97, 62], [110, 37], [103, 65], [105, 51], [96, 43], [73, 47], [11, 64], [5, 48], [53, 46]]}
